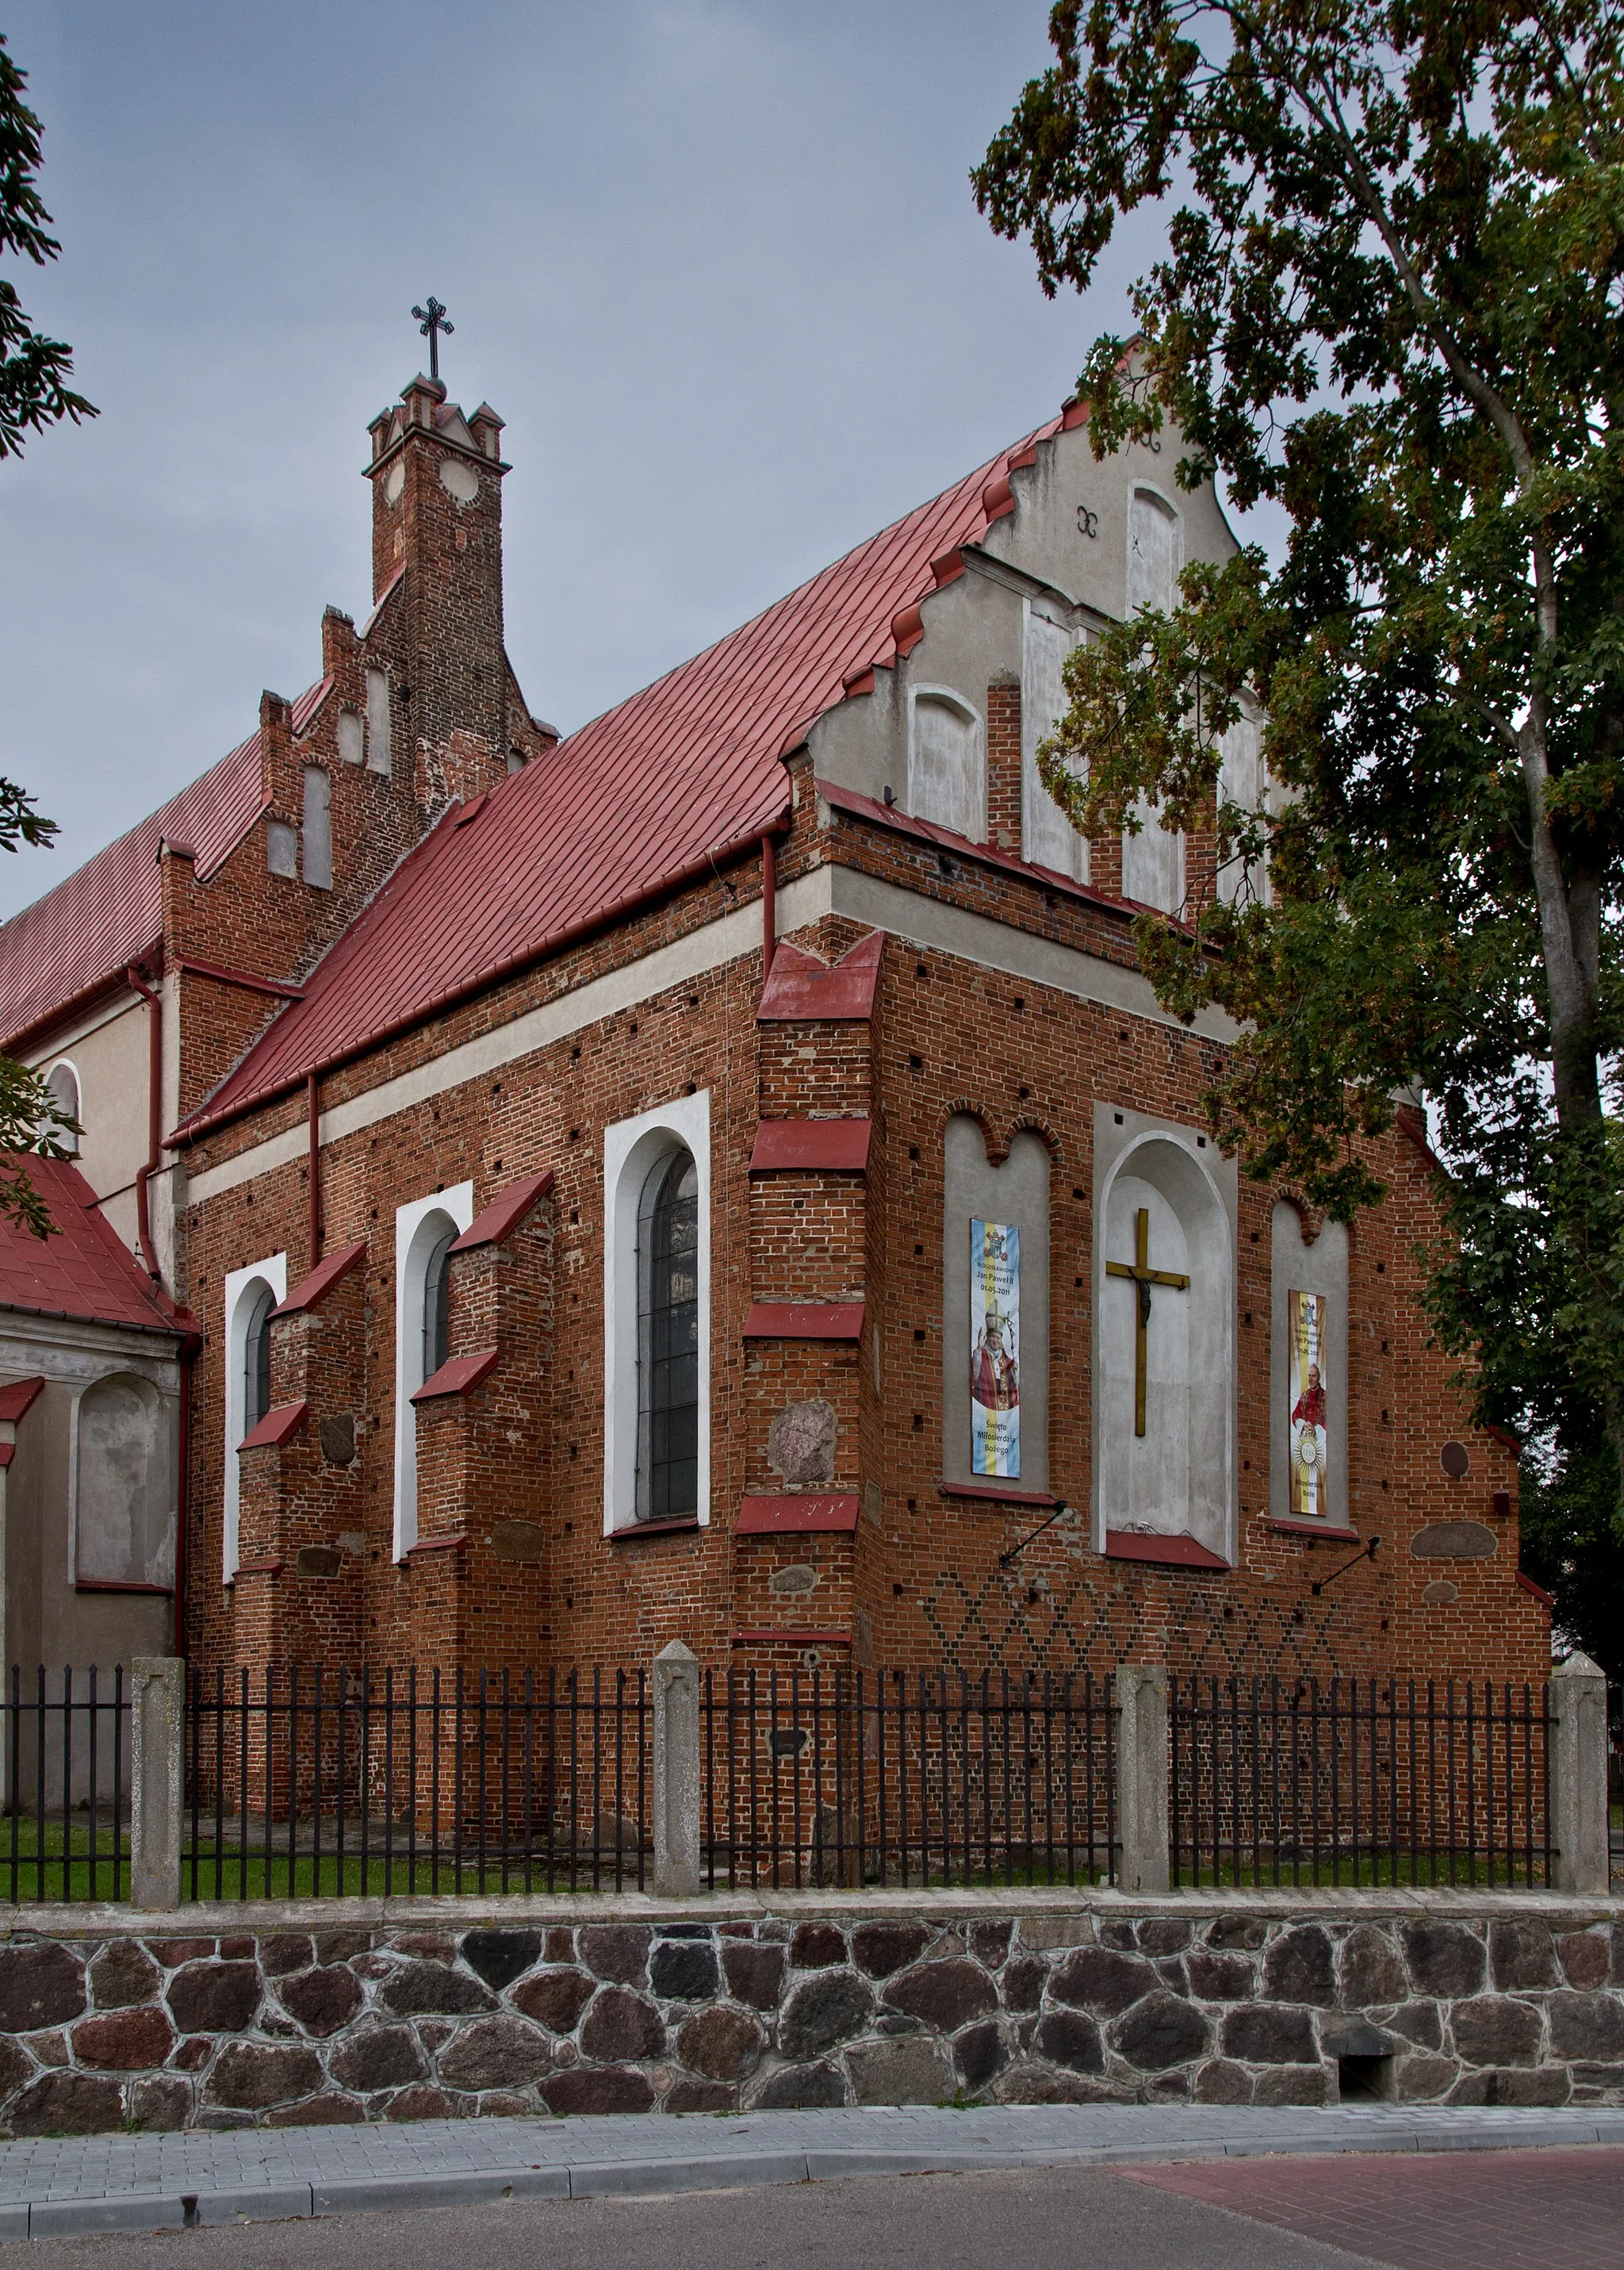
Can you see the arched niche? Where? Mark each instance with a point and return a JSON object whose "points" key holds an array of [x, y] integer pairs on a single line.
{"points": [[1310, 1327], [946, 762], [123, 1513], [1013, 1195], [1169, 1469]]}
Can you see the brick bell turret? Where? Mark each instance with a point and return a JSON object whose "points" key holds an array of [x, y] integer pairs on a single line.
{"points": [[436, 480]]}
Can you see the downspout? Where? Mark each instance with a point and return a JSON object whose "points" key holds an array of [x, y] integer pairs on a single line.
{"points": [[154, 1116], [191, 1347], [769, 906], [314, 1176]]}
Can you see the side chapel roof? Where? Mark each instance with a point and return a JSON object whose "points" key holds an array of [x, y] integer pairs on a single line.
{"points": [[84, 1269]]}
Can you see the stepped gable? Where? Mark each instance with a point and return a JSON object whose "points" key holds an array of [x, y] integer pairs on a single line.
{"points": [[108, 913], [637, 800], [83, 1270]]}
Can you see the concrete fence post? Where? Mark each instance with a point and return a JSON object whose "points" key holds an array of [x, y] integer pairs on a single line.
{"points": [[1142, 1777], [1576, 1793], [676, 1772], [157, 1735]]}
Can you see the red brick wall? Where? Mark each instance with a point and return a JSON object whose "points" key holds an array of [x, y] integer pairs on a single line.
{"points": [[919, 1581]]}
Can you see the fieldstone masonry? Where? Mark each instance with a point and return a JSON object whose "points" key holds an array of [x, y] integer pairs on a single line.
{"points": [[596, 2006]]}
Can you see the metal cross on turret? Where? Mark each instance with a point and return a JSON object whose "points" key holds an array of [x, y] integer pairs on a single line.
{"points": [[431, 323]]}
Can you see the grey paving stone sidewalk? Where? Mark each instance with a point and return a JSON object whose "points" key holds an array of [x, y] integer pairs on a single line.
{"points": [[57, 2186]]}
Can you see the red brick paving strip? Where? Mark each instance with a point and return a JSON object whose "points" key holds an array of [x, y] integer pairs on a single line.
{"points": [[1561, 2209]]}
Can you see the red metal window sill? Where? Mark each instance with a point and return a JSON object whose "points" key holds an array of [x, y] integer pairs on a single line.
{"points": [[1170, 1551], [104, 1584], [632, 1529], [992, 1491], [439, 1544], [1338, 1533]]}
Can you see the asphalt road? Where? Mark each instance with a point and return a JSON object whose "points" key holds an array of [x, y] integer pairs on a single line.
{"points": [[1561, 2209]]}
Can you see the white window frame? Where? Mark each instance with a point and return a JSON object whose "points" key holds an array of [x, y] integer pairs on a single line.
{"points": [[240, 1284], [414, 1241], [632, 1150], [67, 1064]]}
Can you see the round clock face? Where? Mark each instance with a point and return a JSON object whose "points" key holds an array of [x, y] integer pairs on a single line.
{"points": [[395, 482]]}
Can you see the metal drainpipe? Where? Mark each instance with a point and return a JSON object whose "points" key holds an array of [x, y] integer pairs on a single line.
{"points": [[191, 1347], [314, 1175], [769, 905], [154, 1116]]}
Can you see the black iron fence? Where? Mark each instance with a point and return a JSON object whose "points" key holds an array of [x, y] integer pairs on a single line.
{"points": [[907, 1778], [302, 1782], [321, 1782], [65, 1811], [1357, 1782]]}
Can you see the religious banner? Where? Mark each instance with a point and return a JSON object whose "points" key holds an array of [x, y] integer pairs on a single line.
{"points": [[1305, 1328], [995, 1349]]}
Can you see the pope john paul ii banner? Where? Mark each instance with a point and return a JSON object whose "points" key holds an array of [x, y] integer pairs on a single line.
{"points": [[1305, 1325], [995, 1349]]}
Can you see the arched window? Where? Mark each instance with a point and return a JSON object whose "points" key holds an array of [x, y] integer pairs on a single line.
{"points": [[425, 1232], [668, 1400], [62, 1085], [436, 1299], [946, 763], [251, 1296], [257, 1356]]}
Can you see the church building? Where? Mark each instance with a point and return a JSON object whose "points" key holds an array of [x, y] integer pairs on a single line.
{"points": [[723, 1175]]}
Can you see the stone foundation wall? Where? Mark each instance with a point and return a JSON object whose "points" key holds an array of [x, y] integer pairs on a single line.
{"points": [[272, 2016]]}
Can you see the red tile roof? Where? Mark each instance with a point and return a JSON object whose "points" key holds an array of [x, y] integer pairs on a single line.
{"points": [[109, 912], [85, 1270], [643, 796]]}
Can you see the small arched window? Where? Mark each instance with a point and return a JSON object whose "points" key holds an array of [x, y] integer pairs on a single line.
{"points": [[62, 1085], [436, 1299], [256, 1357], [668, 1402]]}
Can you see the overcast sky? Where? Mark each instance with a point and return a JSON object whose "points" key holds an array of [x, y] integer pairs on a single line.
{"points": [[715, 261]]}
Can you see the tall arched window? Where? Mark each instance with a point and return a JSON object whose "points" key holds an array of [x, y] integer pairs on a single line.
{"points": [[251, 1296], [425, 1232], [668, 1399], [436, 1299], [256, 1357], [62, 1085]]}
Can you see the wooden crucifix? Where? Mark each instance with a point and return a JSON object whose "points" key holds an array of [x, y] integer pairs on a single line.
{"points": [[1143, 1276]]}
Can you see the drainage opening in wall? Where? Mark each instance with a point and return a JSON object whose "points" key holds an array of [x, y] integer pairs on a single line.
{"points": [[1364, 2079]]}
